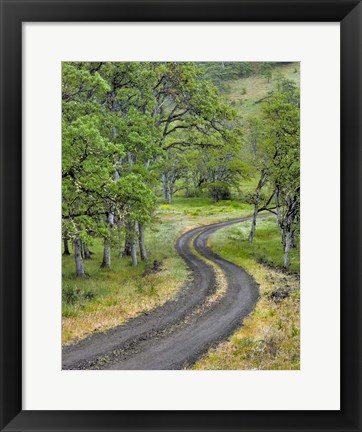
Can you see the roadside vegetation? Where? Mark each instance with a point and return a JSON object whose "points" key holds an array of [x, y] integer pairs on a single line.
{"points": [[270, 337]]}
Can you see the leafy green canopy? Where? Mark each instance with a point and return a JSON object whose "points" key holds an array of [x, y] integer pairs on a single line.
{"points": [[127, 124]]}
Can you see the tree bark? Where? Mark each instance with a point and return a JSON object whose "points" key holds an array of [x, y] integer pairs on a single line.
{"points": [[66, 246], [187, 185], [255, 213], [170, 193], [87, 254], [128, 240], [106, 263], [279, 213], [256, 205], [292, 204], [79, 268], [164, 186], [134, 246], [141, 238], [287, 247]]}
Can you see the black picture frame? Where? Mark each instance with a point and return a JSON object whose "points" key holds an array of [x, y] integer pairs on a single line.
{"points": [[16, 12]]}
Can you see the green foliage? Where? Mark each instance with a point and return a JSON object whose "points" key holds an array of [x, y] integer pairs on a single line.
{"points": [[71, 295], [125, 125], [220, 72], [129, 126], [266, 70]]}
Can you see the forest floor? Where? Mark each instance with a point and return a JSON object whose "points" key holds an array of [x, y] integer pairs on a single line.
{"points": [[110, 298]]}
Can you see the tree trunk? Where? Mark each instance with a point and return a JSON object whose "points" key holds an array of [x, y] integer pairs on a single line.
{"points": [[106, 263], [287, 247], [170, 194], [262, 181], [187, 185], [292, 207], [195, 182], [66, 246], [141, 238], [120, 241], [87, 254], [79, 268], [128, 240], [165, 186], [253, 222], [279, 214], [215, 193], [134, 246]]}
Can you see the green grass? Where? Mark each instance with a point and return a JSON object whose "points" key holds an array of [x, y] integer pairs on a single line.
{"points": [[266, 248], [245, 93]]}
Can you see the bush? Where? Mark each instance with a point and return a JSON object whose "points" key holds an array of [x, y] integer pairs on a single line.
{"points": [[70, 294], [89, 295]]}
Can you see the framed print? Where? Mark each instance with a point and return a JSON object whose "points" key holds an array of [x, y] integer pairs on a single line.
{"points": [[180, 218]]}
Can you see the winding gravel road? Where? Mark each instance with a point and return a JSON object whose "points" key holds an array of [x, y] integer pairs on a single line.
{"points": [[176, 334]]}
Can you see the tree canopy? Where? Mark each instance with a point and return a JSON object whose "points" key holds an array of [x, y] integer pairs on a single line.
{"points": [[132, 131]]}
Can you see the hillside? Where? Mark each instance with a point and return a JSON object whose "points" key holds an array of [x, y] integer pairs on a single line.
{"points": [[246, 93]]}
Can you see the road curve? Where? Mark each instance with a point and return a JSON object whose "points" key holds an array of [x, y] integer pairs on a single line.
{"points": [[176, 334]]}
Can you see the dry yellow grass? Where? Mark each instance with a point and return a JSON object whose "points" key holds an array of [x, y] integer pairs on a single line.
{"points": [[119, 308]]}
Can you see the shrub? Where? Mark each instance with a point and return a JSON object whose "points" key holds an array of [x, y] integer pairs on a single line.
{"points": [[70, 294], [88, 295]]}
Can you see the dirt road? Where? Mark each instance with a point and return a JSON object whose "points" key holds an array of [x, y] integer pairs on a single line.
{"points": [[176, 334]]}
